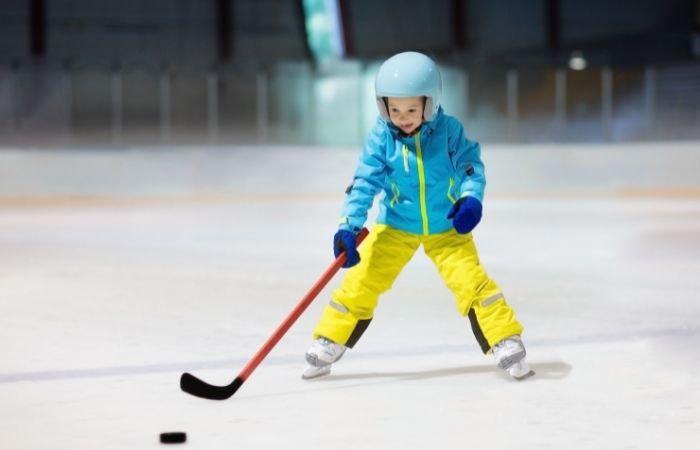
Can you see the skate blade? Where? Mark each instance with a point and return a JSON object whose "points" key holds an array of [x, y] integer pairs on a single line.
{"points": [[312, 372], [525, 376]]}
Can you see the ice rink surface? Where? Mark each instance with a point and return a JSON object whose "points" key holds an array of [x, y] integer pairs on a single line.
{"points": [[107, 297]]}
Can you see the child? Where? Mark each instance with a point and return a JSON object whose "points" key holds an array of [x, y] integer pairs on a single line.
{"points": [[433, 180]]}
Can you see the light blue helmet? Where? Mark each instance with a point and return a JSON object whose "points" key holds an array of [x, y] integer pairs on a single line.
{"points": [[409, 74]]}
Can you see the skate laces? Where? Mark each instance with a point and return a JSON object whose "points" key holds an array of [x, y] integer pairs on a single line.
{"points": [[508, 347], [509, 343], [328, 347]]}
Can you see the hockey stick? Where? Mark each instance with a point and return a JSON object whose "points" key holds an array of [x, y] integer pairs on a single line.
{"points": [[193, 385]]}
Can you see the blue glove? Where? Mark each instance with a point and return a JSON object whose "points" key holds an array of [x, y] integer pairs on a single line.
{"points": [[344, 241], [465, 214]]}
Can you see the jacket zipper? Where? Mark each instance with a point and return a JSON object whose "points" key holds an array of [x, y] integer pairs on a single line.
{"points": [[421, 180]]}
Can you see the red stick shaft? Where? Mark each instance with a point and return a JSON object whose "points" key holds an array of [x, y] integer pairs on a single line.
{"points": [[297, 311]]}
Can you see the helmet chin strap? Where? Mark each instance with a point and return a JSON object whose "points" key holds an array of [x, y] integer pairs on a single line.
{"points": [[412, 133]]}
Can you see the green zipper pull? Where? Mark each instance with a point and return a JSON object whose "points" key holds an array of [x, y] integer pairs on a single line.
{"points": [[405, 158]]}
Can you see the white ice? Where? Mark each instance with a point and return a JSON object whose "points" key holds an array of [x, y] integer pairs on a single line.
{"points": [[120, 269]]}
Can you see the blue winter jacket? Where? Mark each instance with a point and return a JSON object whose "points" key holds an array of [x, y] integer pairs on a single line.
{"points": [[422, 176]]}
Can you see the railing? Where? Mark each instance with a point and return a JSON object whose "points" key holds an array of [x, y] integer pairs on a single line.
{"points": [[292, 103]]}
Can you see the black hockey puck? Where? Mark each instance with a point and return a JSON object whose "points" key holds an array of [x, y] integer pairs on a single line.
{"points": [[173, 437]]}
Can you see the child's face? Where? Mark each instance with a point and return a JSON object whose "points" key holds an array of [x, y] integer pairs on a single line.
{"points": [[406, 113]]}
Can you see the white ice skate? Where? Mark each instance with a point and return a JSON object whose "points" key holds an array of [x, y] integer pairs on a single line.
{"points": [[322, 353], [510, 356], [315, 372]]}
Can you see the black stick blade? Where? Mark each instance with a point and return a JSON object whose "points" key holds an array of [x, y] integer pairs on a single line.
{"points": [[194, 386]]}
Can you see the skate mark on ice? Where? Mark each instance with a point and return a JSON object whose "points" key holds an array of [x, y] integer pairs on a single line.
{"points": [[234, 363]]}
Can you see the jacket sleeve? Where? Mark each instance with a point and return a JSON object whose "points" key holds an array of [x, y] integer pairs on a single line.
{"points": [[466, 157], [367, 181]]}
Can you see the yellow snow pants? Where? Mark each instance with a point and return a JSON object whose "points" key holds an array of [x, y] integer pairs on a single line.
{"points": [[384, 254]]}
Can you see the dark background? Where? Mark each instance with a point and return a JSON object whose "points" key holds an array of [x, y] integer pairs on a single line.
{"points": [[85, 71]]}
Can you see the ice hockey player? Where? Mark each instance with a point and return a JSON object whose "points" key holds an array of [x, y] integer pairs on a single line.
{"points": [[433, 180]]}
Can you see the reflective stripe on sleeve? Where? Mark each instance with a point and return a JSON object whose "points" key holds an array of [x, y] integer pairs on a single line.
{"points": [[339, 307], [449, 190], [493, 298]]}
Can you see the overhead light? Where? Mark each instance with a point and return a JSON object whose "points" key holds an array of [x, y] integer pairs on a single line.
{"points": [[577, 61], [324, 29]]}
